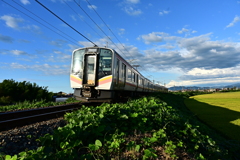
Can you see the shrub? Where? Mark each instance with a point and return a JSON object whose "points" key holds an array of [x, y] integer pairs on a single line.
{"points": [[12, 91]]}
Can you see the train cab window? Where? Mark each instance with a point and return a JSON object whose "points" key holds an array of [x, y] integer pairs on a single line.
{"points": [[77, 62], [105, 62], [129, 75]]}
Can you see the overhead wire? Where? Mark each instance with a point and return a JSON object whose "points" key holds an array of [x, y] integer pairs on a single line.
{"points": [[40, 22], [108, 27], [97, 25], [112, 33], [65, 22], [82, 18]]}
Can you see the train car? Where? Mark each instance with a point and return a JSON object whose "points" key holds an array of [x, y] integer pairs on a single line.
{"points": [[100, 74]]}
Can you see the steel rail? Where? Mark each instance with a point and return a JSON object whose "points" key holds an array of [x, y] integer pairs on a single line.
{"points": [[10, 120]]}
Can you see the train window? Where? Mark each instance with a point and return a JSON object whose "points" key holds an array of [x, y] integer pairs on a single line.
{"points": [[105, 63], [133, 77], [129, 75], [137, 78], [117, 71], [105, 60], [123, 70], [77, 62], [140, 81]]}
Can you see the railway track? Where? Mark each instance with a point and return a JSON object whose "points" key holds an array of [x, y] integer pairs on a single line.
{"points": [[10, 120]]}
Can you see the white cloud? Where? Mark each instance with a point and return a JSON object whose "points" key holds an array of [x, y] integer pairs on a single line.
{"points": [[200, 59], [25, 2], [121, 31], [183, 30], [235, 20], [206, 82], [153, 37], [58, 42], [59, 56], [164, 12], [55, 69], [15, 21], [92, 7], [132, 11], [18, 52], [73, 17], [18, 66], [194, 31], [133, 1], [200, 76], [12, 22]]}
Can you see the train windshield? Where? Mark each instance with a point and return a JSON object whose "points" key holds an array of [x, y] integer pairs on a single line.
{"points": [[105, 62], [77, 64]]}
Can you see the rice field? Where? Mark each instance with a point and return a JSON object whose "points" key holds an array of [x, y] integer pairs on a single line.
{"points": [[219, 110]]}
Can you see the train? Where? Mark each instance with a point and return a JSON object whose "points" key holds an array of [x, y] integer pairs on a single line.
{"points": [[100, 74]]}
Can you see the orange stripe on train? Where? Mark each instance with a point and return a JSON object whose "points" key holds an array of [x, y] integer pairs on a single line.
{"points": [[104, 80], [75, 79]]}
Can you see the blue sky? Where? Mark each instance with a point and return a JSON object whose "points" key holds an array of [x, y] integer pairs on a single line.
{"points": [[187, 42]]}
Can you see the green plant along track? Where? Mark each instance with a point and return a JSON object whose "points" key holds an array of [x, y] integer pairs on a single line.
{"points": [[145, 128]]}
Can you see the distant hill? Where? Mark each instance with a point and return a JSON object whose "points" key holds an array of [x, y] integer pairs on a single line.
{"points": [[177, 88], [233, 85]]}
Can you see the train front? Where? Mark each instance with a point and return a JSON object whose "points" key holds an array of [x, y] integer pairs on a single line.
{"points": [[91, 74]]}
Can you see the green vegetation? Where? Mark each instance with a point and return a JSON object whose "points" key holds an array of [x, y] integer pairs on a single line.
{"points": [[219, 110], [12, 92], [34, 104], [145, 128]]}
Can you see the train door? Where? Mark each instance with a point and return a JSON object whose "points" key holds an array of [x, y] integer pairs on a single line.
{"points": [[90, 70]]}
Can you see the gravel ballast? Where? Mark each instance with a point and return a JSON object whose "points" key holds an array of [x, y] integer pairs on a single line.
{"points": [[20, 139]]}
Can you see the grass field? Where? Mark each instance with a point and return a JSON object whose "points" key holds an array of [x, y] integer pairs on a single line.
{"points": [[219, 110]]}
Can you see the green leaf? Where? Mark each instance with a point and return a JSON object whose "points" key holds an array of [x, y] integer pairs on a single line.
{"points": [[8, 157], [149, 153], [134, 114], [101, 115], [63, 144], [114, 145], [80, 123], [144, 120], [124, 116], [153, 139], [98, 143], [14, 157], [201, 156], [137, 148], [145, 99], [93, 147], [22, 154]]}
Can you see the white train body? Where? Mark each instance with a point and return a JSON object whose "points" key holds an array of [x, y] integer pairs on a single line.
{"points": [[101, 74]]}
